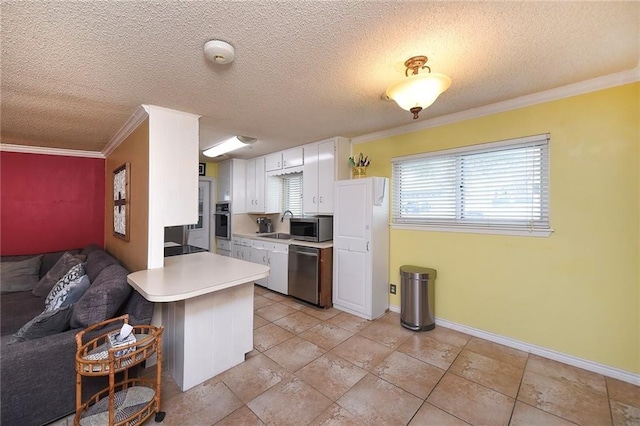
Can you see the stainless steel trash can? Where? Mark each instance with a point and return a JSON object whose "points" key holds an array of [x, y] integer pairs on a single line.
{"points": [[417, 298]]}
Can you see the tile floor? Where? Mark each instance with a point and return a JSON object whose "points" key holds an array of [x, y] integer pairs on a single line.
{"points": [[326, 367]]}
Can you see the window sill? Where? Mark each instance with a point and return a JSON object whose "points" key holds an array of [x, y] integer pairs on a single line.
{"points": [[493, 230]]}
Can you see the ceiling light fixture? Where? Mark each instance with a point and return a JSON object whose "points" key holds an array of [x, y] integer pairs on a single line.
{"points": [[219, 52], [418, 91], [229, 145]]}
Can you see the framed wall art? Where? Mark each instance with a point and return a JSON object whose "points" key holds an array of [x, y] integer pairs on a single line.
{"points": [[121, 201], [202, 169]]}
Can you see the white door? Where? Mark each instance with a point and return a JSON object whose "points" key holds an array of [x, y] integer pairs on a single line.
{"points": [[351, 247], [199, 233]]}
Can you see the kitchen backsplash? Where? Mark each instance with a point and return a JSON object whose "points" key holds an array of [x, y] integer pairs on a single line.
{"points": [[244, 223]]}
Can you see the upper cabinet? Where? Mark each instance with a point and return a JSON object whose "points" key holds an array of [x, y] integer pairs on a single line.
{"points": [[285, 159], [255, 185], [231, 184], [292, 157], [324, 163]]}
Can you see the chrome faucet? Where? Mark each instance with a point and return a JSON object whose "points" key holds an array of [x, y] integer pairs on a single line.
{"points": [[285, 213]]}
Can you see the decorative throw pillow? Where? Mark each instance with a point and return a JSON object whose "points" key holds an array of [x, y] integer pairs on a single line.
{"points": [[78, 288], [70, 293], [62, 266], [45, 324], [107, 293], [20, 276], [60, 291]]}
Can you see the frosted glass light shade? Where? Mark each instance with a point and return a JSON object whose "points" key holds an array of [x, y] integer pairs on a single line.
{"points": [[224, 147], [419, 90]]}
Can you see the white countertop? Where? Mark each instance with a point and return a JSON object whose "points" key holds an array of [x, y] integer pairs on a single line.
{"points": [[323, 245], [191, 275]]}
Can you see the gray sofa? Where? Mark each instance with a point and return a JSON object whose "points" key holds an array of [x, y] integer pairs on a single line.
{"points": [[37, 377]]}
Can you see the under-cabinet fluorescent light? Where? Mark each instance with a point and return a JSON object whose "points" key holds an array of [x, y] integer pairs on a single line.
{"points": [[228, 146]]}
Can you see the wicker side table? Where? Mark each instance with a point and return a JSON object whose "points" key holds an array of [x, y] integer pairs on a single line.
{"points": [[131, 400]]}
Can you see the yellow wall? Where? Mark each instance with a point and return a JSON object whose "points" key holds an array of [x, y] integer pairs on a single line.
{"points": [[135, 150], [212, 170], [577, 291]]}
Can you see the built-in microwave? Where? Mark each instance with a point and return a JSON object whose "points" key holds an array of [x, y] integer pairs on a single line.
{"points": [[315, 229]]}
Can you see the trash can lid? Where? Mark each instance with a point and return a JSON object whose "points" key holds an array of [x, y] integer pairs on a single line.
{"points": [[418, 270]]}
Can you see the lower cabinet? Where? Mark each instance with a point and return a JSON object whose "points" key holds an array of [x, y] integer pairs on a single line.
{"points": [[241, 248], [276, 257]]}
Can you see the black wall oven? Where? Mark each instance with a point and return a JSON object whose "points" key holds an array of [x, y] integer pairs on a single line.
{"points": [[223, 220]]}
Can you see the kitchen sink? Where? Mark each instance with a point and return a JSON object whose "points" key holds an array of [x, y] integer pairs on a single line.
{"points": [[278, 236]]}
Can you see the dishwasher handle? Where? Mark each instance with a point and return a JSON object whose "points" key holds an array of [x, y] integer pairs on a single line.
{"points": [[305, 251]]}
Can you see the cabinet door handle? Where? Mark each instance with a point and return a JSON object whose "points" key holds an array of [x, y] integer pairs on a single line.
{"points": [[264, 259], [367, 245], [321, 200], [284, 163], [314, 200]]}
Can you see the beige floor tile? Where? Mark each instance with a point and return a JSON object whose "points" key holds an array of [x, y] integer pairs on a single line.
{"points": [[623, 392], [429, 415], [321, 314], [254, 376], [169, 388], [336, 415], [289, 403], [260, 302], [573, 402], [410, 374], [390, 335], [195, 405], [362, 352], [392, 318], [348, 322], [471, 402], [326, 336], [376, 402], [447, 335], [275, 311], [292, 303], [624, 414], [294, 353], [567, 374], [526, 415], [251, 354], [430, 350], [269, 336], [259, 321], [501, 353], [242, 416], [259, 290], [274, 296], [497, 375], [297, 322], [331, 375]]}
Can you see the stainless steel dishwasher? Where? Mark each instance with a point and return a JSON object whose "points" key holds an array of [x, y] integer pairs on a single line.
{"points": [[304, 264]]}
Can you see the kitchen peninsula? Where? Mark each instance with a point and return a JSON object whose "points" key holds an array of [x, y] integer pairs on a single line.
{"points": [[207, 312]]}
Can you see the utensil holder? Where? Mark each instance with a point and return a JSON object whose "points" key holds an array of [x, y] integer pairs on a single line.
{"points": [[359, 172]]}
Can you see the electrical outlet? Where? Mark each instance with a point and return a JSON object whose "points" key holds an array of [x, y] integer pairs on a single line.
{"points": [[392, 288]]}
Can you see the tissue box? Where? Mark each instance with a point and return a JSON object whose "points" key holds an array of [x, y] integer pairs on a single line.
{"points": [[115, 343]]}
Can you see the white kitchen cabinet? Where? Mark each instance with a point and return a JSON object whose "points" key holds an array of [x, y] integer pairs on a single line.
{"points": [[293, 157], [361, 247], [241, 248], [255, 179], [231, 184], [274, 161], [276, 257], [324, 163]]}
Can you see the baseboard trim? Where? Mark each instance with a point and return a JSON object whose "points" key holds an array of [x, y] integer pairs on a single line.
{"points": [[595, 367]]}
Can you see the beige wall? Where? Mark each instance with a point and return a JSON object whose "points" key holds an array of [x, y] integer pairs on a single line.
{"points": [[577, 291], [135, 150]]}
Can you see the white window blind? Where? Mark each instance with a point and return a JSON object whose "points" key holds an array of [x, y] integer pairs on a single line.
{"points": [[292, 193], [497, 185]]}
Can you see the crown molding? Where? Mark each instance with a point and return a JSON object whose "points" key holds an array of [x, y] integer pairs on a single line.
{"points": [[583, 87], [28, 149], [140, 114]]}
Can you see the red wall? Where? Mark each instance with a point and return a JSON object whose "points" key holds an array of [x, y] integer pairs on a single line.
{"points": [[50, 202]]}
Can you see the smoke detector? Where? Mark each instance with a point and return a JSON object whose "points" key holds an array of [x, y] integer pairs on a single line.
{"points": [[219, 52]]}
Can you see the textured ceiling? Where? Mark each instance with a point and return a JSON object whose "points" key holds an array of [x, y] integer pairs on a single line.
{"points": [[74, 71]]}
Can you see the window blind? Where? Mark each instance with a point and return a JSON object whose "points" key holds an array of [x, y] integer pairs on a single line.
{"points": [[503, 184], [292, 193]]}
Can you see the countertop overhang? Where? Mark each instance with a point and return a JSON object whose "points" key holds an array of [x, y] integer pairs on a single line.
{"points": [[192, 275]]}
